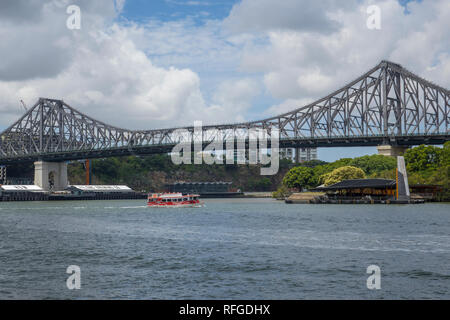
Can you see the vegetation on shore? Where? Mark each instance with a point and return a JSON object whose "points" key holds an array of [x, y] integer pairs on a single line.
{"points": [[425, 165], [152, 173]]}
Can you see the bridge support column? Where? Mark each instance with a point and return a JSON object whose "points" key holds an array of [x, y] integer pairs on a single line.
{"points": [[392, 151], [50, 176]]}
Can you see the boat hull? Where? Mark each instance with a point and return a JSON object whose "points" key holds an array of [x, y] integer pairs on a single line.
{"points": [[189, 205]]}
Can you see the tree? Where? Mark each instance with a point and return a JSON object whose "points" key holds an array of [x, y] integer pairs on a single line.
{"points": [[281, 193], [344, 173], [262, 184], [299, 177], [374, 164], [313, 163], [322, 178], [445, 155], [423, 158]]}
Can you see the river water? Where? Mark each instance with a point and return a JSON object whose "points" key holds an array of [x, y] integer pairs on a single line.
{"points": [[230, 249]]}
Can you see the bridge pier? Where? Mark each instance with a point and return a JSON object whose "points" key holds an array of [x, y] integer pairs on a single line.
{"points": [[50, 176], [392, 151]]}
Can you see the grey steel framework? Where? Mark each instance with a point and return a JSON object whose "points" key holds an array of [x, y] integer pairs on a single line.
{"points": [[386, 105]]}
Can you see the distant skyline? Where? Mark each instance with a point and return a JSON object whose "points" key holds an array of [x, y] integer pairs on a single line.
{"points": [[163, 63]]}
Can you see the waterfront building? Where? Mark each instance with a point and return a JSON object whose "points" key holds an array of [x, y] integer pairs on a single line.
{"points": [[22, 193], [83, 189], [380, 189]]}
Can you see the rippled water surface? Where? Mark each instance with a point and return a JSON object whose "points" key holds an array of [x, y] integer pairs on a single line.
{"points": [[230, 249]]}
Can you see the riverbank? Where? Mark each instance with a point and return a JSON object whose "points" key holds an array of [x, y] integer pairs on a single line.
{"points": [[257, 195], [321, 198], [303, 197]]}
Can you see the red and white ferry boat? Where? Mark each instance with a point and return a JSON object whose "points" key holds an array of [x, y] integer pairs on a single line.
{"points": [[174, 200]]}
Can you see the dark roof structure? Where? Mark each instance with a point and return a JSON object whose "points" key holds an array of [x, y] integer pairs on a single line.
{"points": [[359, 183]]}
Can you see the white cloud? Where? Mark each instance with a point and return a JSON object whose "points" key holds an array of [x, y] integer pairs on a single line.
{"points": [[234, 97], [266, 15], [299, 63], [106, 75], [161, 74], [314, 81]]}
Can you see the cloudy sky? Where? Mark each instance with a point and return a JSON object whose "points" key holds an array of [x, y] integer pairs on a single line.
{"points": [[150, 64]]}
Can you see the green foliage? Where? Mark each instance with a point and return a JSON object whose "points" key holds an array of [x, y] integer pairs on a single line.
{"points": [[263, 184], [299, 177], [324, 177], [281, 193], [385, 174], [343, 173], [76, 173], [152, 173], [423, 158], [374, 163], [445, 154], [313, 163], [425, 165], [286, 163], [373, 166]]}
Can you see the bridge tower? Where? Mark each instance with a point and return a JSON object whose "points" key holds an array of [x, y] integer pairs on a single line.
{"points": [[391, 112], [50, 176]]}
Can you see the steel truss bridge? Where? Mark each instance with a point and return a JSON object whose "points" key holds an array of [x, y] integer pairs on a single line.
{"points": [[386, 105]]}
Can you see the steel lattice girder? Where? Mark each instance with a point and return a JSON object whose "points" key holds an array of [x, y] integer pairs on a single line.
{"points": [[388, 104]]}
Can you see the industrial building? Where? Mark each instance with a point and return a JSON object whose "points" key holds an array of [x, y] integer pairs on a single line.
{"points": [[99, 192], [76, 192], [22, 193]]}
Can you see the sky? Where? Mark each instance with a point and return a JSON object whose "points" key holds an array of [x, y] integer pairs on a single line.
{"points": [[163, 63]]}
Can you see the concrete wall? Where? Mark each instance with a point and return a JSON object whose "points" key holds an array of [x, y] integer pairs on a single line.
{"points": [[42, 172], [402, 180]]}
